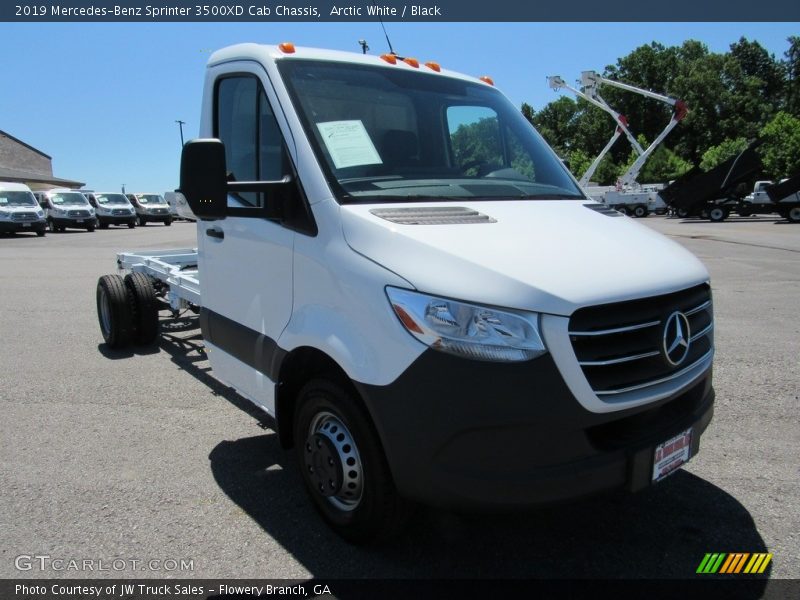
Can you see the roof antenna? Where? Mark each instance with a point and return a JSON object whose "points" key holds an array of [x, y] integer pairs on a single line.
{"points": [[388, 41], [364, 46]]}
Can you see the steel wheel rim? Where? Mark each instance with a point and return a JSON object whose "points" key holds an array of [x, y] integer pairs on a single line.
{"points": [[351, 491]]}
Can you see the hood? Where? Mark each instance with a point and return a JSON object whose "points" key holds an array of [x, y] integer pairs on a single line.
{"points": [[545, 256]]}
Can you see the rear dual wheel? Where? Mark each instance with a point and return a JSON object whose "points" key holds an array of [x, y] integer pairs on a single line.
{"points": [[127, 310]]}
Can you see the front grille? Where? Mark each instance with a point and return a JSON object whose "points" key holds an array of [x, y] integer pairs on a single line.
{"points": [[78, 213], [118, 212], [158, 211], [24, 216], [620, 347]]}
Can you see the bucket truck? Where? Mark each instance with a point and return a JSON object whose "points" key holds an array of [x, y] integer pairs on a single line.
{"points": [[629, 196]]}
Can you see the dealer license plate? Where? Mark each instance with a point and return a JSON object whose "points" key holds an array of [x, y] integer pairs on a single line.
{"points": [[672, 454]]}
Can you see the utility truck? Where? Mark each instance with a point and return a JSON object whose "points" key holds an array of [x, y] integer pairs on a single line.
{"points": [[782, 198], [628, 196], [396, 269]]}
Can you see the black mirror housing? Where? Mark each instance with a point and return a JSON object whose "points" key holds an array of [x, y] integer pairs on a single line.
{"points": [[204, 179]]}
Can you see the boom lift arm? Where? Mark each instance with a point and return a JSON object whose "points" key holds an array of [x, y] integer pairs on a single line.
{"points": [[591, 81], [556, 83]]}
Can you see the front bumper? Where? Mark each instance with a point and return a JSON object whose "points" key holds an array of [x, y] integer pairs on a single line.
{"points": [[14, 226], [116, 219], [74, 222], [467, 434], [156, 218]]}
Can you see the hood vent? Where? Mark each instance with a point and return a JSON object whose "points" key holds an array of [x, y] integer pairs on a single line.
{"points": [[604, 210], [437, 215]]}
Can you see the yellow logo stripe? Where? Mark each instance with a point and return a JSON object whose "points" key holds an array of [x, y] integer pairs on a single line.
{"points": [[764, 564]]}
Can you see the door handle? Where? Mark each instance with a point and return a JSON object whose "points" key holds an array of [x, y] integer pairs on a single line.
{"points": [[215, 233]]}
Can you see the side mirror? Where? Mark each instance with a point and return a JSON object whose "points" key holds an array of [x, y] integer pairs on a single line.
{"points": [[203, 178]]}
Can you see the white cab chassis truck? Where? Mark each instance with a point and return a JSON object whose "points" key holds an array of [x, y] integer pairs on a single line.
{"points": [[395, 268]]}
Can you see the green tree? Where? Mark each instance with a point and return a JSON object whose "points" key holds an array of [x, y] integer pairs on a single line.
{"points": [[780, 151], [556, 123], [791, 68], [721, 152]]}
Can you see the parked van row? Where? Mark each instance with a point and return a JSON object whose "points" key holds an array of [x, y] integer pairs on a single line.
{"points": [[22, 209]]}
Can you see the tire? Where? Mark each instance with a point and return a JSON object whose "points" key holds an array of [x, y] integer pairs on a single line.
{"points": [[90, 228], [793, 214], [682, 213], [168, 222], [114, 311], [145, 308], [103, 225], [743, 212], [52, 225], [142, 221], [40, 232], [623, 209], [337, 448], [717, 214], [639, 211], [131, 224]]}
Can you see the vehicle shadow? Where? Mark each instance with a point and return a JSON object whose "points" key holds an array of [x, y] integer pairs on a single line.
{"points": [[128, 352], [661, 533]]}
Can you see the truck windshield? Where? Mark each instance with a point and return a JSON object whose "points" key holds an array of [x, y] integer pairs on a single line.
{"points": [[151, 199], [16, 199], [68, 198], [111, 199], [395, 135]]}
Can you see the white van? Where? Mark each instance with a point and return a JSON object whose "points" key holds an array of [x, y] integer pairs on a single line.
{"points": [[65, 208], [112, 209], [151, 208], [400, 273], [19, 211]]}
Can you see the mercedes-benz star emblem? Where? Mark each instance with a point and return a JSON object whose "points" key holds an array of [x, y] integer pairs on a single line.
{"points": [[676, 338]]}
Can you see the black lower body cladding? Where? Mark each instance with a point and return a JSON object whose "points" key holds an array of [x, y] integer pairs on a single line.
{"points": [[467, 434]]}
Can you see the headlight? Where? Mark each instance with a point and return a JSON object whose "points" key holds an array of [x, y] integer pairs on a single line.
{"points": [[5, 215], [468, 330], [58, 211], [40, 213]]}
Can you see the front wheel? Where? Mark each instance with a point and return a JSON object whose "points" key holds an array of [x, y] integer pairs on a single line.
{"points": [[640, 211], [717, 214], [682, 213], [40, 232], [142, 221], [343, 465], [168, 222], [131, 224], [794, 214]]}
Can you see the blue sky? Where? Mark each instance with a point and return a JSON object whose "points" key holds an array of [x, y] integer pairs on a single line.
{"points": [[102, 99]]}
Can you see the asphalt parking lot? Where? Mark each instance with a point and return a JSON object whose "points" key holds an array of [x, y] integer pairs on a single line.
{"points": [[142, 456]]}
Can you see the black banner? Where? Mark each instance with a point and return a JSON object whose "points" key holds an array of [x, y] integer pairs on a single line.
{"points": [[702, 586], [395, 10]]}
